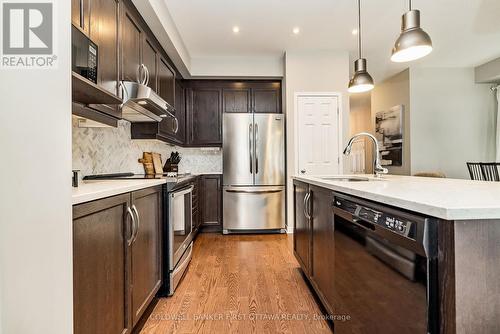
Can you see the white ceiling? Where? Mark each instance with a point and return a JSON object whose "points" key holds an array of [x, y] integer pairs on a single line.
{"points": [[464, 32]]}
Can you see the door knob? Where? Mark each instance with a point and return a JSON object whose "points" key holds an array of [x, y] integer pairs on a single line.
{"points": [[303, 171]]}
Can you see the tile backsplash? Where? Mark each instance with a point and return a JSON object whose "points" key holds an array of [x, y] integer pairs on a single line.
{"points": [[111, 150]]}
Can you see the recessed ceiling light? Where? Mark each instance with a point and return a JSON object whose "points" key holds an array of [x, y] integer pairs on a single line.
{"points": [[354, 31], [296, 30], [236, 29]]}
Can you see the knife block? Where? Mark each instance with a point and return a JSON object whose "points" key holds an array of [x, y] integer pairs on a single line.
{"points": [[171, 168]]}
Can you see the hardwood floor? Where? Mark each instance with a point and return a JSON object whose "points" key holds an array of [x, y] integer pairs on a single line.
{"points": [[240, 284]]}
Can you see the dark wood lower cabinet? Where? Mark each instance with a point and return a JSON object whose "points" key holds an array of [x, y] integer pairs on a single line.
{"points": [[116, 260], [323, 244], [100, 260], [211, 202], [302, 226], [146, 249]]}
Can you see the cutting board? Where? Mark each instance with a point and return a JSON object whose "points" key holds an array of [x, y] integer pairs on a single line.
{"points": [[157, 163]]}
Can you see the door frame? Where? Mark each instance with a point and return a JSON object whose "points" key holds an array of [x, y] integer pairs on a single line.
{"points": [[340, 161]]}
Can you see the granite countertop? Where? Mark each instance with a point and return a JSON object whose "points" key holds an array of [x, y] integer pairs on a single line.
{"points": [[449, 199], [93, 190]]}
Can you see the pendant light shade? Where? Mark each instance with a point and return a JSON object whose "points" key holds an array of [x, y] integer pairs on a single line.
{"points": [[413, 43], [361, 81]]}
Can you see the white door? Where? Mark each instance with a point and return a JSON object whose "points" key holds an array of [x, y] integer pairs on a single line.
{"points": [[318, 135]]}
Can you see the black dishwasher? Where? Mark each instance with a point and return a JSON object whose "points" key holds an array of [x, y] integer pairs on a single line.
{"points": [[385, 269]]}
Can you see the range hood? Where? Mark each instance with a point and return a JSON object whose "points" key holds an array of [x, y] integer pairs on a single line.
{"points": [[142, 104]]}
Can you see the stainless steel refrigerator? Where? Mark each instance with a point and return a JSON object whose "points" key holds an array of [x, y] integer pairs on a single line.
{"points": [[254, 173]]}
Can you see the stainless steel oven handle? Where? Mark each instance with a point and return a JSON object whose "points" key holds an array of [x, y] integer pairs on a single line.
{"points": [[182, 191], [132, 232], [134, 208]]}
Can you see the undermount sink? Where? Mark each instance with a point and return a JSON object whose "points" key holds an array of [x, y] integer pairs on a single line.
{"points": [[345, 178]]}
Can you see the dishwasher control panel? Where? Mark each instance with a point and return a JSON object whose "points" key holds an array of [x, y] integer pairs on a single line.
{"points": [[394, 223]]}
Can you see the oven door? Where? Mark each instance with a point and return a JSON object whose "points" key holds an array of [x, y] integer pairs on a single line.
{"points": [[380, 286], [179, 223]]}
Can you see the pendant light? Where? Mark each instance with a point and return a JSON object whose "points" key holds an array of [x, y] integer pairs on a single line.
{"points": [[413, 43], [361, 80]]}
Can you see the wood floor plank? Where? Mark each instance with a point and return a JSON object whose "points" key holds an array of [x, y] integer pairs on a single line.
{"points": [[239, 284]]}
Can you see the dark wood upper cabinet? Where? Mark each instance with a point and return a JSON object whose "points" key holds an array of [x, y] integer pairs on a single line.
{"points": [[150, 56], [211, 201], [204, 116], [80, 14], [166, 88], [302, 226], [104, 32], [100, 262], [237, 100], [131, 41], [146, 249], [266, 100], [180, 112]]}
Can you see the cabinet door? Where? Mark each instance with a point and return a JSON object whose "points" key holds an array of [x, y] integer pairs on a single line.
{"points": [[104, 31], [166, 81], [204, 117], [166, 90], [180, 112], [146, 249], [150, 60], [131, 39], [100, 263], [237, 100], [80, 14], [266, 100], [211, 196], [323, 243], [302, 227]]}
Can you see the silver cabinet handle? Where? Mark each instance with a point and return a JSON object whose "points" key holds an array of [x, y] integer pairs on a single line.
{"points": [[147, 75], [131, 239], [176, 125], [309, 210], [124, 91], [250, 146], [82, 17], [134, 208], [256, 145], [305, 205]]}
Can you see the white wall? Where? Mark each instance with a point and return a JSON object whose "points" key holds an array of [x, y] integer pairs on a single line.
{"points": [[241, 67], [452, 120], [36, 294], [312, 71]]}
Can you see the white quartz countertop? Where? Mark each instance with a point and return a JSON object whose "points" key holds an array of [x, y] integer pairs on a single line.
{"points": [[450, 199], [93, 190]]}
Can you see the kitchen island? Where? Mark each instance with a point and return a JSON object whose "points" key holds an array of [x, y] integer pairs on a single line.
{"points": [[348, 233]]}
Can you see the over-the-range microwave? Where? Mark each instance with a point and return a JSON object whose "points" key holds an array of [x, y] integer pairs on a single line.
{"points": [[84, 55]]}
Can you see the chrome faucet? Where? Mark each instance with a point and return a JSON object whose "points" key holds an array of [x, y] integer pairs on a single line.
{"points": [[378, 170]]}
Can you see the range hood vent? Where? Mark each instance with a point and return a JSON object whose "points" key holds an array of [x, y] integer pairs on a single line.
{"points": [[142, 104]]}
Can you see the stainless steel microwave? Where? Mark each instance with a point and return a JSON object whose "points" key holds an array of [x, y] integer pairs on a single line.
{"points": [[84, 55]]}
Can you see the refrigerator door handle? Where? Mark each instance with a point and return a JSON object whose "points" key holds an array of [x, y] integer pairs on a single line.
{"points": [[256, 145], [250, 146]]}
